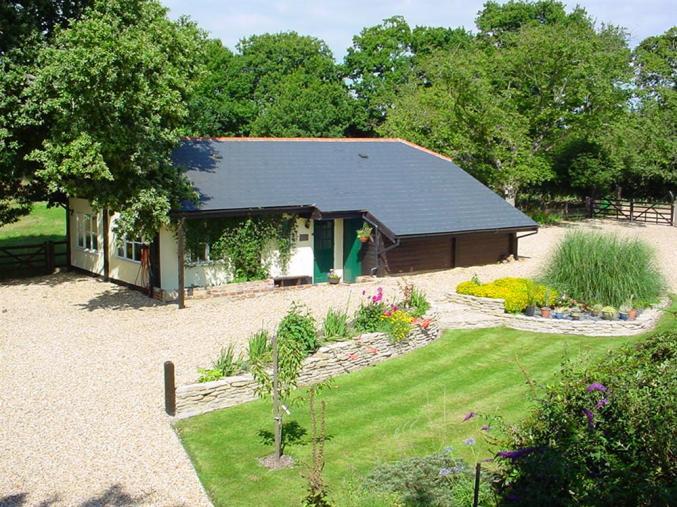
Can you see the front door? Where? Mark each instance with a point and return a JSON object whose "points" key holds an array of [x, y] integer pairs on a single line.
{"points": [[323, 245], [352, 246]]}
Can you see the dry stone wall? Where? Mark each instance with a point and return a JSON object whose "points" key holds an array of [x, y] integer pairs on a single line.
{"points": [[329, 361], [494, 307]]}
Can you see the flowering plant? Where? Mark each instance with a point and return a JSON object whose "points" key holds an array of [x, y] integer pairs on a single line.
{"points": [[398, 323]]}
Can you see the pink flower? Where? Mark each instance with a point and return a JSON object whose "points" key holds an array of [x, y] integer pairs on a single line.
{"points": [[468, 416]]}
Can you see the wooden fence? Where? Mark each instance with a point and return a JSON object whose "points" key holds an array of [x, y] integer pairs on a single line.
{"points": [[631, 210], [31, 259]]}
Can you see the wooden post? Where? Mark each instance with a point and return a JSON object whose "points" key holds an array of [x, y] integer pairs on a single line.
{"points": [[68, 235], [49, 256], [632, 208], [476, 493], [170, 388], [106, 248], [589, 204], [277, 413], [181, 236]]}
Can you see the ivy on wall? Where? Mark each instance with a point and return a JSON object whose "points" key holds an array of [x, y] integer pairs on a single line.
{"points": [[242, 242]]}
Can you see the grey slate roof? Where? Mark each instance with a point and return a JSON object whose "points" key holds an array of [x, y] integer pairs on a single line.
{"points": [[409, 190]]}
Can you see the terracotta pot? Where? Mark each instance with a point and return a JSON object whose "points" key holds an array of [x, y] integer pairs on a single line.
{"points": [[632, 314], [364, 239], [546, 313]]}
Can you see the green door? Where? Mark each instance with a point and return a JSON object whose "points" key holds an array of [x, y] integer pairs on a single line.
{"points": [[323, 245], [352, 246]]}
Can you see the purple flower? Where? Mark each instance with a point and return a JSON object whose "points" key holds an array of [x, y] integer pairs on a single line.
{"points": [[596, 386], [516, 454], [444, 472], [378, 297], [469, 441], [602, 403], [590, 416], [469, 416], [486, 427]]}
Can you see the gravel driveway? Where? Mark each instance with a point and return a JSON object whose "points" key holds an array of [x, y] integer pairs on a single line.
{"points": [[81, 406]]}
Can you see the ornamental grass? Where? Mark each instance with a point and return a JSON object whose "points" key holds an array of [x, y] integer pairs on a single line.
{"points": [[605, 269]]}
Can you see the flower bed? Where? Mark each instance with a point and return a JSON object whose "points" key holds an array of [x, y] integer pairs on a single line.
{"points": [[328, 361]]}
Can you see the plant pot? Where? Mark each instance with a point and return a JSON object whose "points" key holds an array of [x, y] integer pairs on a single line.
{"points": [[632, 314], [546, 313], [364, 239], [334, 281], [608, 316], [575, 316], [558, 315], [623, 315], [530, 311]]}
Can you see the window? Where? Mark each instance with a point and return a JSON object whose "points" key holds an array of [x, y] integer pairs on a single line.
{"points": [[198, 254], [88, 231], [130, 249]]}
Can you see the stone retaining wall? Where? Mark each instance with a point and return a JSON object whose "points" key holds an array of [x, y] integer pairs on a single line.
{"points": [[329, 361], [644, 322]]}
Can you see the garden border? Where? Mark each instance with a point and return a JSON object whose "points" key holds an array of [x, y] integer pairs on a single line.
{"points": [[328, 361], [495, 307]]}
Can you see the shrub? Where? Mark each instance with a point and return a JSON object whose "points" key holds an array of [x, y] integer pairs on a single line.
{"points": [[518, 293], [603, 435], [397, 323], [414, 300], [368, 315], [299, 326], [224, 366], [602, 268], [435, 480], [260, 347], [335, 324]]}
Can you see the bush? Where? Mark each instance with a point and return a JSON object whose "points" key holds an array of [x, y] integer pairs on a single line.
{"points": [[518, 293], [397, 323], [435, 480], [298, 325], [368, 315], [602, 435], [224, 366], [602, 268], [335, 325], [260, 347]]}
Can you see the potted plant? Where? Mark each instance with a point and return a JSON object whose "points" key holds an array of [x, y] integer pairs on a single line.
{"points": [[596, 310], [576, 313], [333, 277], [364, 232], [631, 310], [545, 308], [559, 312], [609, 313], [532, 300]]}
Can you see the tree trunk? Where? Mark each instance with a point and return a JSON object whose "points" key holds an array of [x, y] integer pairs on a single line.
{"points": [[277, 413], [510, 193]]}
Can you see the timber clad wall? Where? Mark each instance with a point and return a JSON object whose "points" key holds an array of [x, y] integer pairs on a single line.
{"points": [[421, 254], [484, 248]]}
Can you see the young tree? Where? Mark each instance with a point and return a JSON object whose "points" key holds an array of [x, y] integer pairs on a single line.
{"points": [[112, 92]]}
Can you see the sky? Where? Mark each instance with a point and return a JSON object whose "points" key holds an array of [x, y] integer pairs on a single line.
{"points": [[336, 21]]}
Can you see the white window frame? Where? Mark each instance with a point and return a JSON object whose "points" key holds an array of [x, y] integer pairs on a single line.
{"points": [[124, 246], [205, 258], [87, 232]]}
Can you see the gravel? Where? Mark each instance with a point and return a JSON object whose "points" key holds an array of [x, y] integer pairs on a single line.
{"points": [[81, 396]]}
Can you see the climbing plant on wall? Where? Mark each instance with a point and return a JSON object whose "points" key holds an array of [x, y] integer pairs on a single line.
{"points": [[243, 242]]}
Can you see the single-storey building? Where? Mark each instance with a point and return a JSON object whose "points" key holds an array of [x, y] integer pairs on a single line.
{"points": [[425, 213]]}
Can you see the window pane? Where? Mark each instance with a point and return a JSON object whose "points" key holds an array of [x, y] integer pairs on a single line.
{"points": [[130, 253], [121, 250], [95, 224], [95, 242], [137, 251]]}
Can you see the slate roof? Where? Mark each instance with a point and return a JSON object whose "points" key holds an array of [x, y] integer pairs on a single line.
{"points": [[410, 190]]}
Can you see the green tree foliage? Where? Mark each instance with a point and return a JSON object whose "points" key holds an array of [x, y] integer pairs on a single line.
{"points": [[381, 59], [280, 85], [112, 92], [25, 27], [536, 83], [602, 435]]}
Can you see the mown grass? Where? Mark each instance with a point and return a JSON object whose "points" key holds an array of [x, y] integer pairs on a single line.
{"points": [[42, 224], [602, 268], [412, 405]]}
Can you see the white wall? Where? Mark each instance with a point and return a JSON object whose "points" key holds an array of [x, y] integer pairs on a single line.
{"points": [[88, 260], [338, 246]]}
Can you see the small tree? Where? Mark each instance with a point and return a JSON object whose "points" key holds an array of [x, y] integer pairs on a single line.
{"points": [[317, 489]]}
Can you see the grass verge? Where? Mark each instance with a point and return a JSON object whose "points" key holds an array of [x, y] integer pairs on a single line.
{"points": [[43, 224], [411, 405]]}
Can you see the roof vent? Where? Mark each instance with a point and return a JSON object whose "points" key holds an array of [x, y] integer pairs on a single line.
{"points": [[363, 155]]}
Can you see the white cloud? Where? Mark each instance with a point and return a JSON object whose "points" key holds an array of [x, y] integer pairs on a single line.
{"points": [[337, 21]]}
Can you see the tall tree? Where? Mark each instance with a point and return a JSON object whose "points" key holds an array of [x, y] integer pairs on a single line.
{"points": [[25, 26], [382, 59], [112, 90]]}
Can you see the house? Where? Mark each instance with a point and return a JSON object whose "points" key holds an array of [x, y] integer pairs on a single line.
{"points": [[426, 213]]}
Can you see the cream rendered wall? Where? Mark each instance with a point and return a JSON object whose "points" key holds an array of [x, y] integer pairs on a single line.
{"points": [[88, 260], [301, 262], [125, 270], [338, 246], [169, 267]]}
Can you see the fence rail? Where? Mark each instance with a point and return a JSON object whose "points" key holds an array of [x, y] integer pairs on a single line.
{"points": [[30, 259], [631, 210]]}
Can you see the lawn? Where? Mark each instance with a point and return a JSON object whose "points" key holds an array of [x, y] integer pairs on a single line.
{"points": [[411, 405], [43, 224]]}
